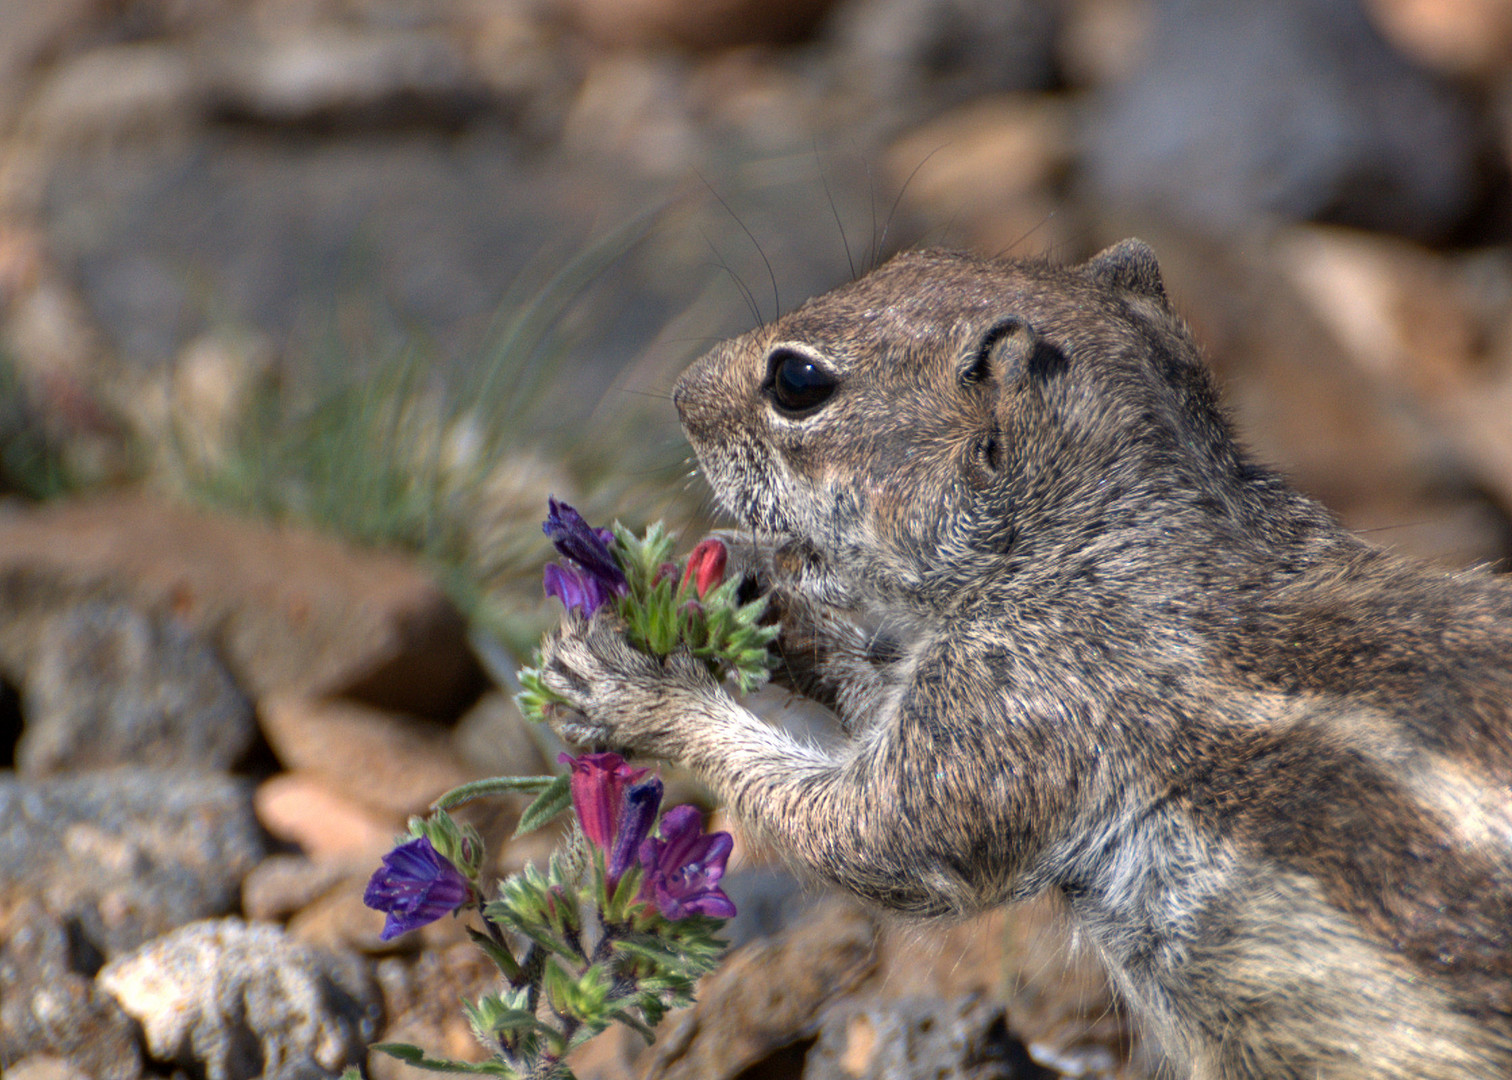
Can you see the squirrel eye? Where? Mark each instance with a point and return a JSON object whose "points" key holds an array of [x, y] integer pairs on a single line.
{"points": [[797, 383]]}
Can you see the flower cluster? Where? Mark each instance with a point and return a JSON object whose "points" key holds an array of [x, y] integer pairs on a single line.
{"points": [[621, 923], [681, 869], [619, 935], [664, 606]]}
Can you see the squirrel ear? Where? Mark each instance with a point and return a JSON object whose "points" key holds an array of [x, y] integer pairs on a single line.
{"points": [[1128, 264], [1010, 344]]}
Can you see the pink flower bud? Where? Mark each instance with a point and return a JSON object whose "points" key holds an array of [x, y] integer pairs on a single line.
{"points": [[706, 566]]}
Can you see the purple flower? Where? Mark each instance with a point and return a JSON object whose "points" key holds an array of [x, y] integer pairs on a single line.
{"points": [[577, 590], [415, 886], [591, 576], [641, 804], [683, 868]]}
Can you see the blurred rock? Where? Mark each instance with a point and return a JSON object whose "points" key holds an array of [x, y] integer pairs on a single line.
{"points": [[420, 993], [920, 1039], [1408, 320], [108, 685], [123, 856], [114, 93], [768, 900], [912, 56], [495, 740], [338, 920], [217, 380], [303, 810], [282, 884], [1302, 405], [238, 1000], [50, 1006], [767, 996], [991, 168], [286, 609], [332, 74], [395, 764], [1101, 41], [695, 24], [1459, 37], [635, 109], [30, 33], [47, 1067], [1294, 109]]}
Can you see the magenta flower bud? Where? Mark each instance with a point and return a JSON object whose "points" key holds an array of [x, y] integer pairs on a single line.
{"points": [[415, 886], [683, 868], [706, 566], [599, 784]]}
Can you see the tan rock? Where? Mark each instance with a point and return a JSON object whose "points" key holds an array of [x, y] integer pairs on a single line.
{"points": [[766, 995], [988, 168], [289, 609], [1418, 327], [1460, 37], [394, 764], [282, 884], [301, 809], [420, 996], [340, 920]]}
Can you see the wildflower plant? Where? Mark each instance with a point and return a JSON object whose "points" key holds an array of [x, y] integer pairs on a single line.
{"points": [[623, 920], [664, 607]]}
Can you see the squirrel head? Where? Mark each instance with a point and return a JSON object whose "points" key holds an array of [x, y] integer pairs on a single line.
{"points": [[912, 433]]}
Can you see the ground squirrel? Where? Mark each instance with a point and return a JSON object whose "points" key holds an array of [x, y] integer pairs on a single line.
{"points": [[1080, 642]]}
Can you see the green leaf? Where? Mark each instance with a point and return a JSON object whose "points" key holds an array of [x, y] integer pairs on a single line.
{"points": [[494, 785], [535, 695], [649, 947], [492, 1015], [554, 800], [624, 895], [416, 1057], [623, 1015], [503, 959]]}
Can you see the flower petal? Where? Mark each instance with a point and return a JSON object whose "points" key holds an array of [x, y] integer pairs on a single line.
{"points": [[414, 886], [642, 801], [585, 546], [599, 783]]}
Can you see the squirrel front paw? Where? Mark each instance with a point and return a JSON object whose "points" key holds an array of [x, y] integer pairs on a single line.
{"points": [[618, 697]]}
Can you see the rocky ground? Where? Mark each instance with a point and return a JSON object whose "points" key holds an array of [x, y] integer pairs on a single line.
{"points": [[214, 721]]}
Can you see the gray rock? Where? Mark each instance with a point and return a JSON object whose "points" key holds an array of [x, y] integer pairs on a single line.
{"points": [[111, 685], [286, 609], [919, 1039], [50, 1009], [1294, 108], [123, 856], [769, 900], [241, 1000], [912, 53]]}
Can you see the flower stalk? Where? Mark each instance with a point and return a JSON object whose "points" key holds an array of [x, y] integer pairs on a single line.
{"points": [[622, 921], [620, 936]]}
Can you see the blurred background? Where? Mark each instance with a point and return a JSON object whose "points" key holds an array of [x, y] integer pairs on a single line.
{"points": [[306, 305]]}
